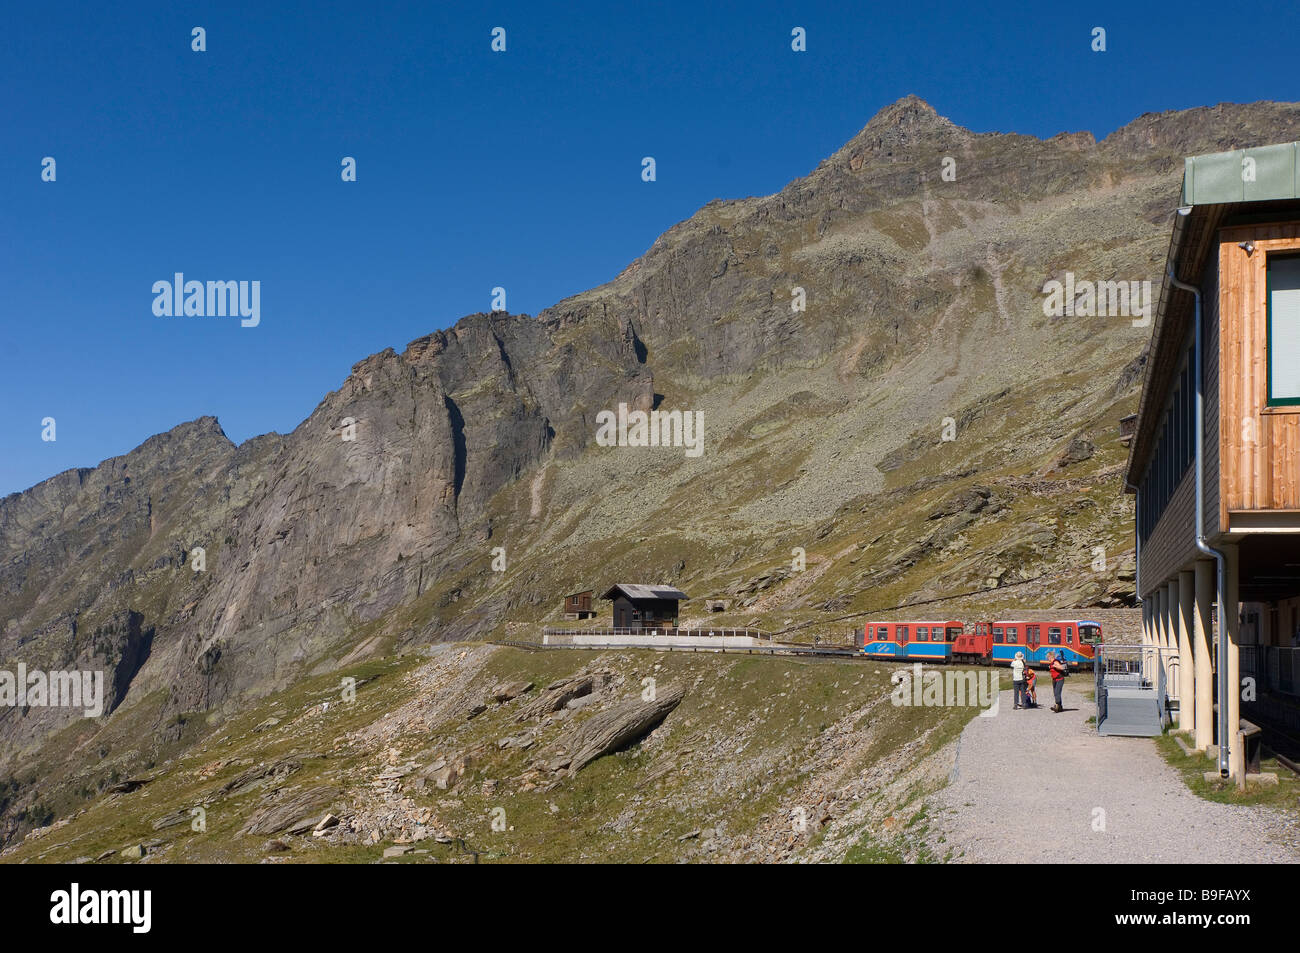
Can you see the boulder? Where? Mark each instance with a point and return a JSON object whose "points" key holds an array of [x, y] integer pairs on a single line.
{"points": [[179, 816], [559, 693], [447, 776], [613, 730], [507, 690], [295, 813]]}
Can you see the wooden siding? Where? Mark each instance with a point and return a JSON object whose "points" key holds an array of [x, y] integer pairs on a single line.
{"points": [[579, 601], [1259, 445], [1171, 546]]}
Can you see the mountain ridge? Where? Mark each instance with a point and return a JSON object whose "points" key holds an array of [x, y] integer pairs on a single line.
{"points": [[823, 432]]}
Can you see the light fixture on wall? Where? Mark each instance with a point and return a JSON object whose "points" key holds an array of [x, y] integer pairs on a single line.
{"points": [[1247, 247]]}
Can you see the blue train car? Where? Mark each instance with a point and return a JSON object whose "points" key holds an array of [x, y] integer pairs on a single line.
{"points": [[909, 641], [1073, 640]]}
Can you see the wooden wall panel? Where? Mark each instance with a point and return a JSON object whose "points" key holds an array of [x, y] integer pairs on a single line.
{"points": [[1259, 446], [1172, 544]]}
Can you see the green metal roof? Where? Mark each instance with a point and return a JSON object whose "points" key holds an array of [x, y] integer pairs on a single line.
{"points": [[1222, 176]]}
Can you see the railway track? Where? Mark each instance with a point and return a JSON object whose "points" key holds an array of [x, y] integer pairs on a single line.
{"points": [[810, 650]]}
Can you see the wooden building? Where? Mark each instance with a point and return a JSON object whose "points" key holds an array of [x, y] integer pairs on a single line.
{"points": [[1224, 367], [577, 605], [639, 607]]}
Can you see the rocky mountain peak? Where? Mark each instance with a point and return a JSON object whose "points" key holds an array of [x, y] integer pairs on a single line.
{"points": [[901, 127]]}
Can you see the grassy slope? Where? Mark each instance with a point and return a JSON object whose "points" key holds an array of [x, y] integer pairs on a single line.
{"points": [[757, 743]]}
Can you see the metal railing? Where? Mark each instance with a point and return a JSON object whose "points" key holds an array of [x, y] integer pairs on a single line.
{"points": [[1139, 666], [1148, 667], [669, 632], [1275, 668]]}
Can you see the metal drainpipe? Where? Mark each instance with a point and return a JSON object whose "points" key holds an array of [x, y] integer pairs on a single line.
{"points": [[1201, 544], [1137, 545]]}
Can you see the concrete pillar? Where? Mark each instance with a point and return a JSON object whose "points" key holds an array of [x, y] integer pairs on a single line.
{"points": [[1146, 623], [1157, 614], [1162, 630], [1168, 598], [1171, 635], [1186, 665], [1232, 609], [1202, 656]]}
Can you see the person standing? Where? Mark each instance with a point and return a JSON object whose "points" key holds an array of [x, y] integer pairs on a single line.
{"points": [[1018, 678], [1059, 668]]}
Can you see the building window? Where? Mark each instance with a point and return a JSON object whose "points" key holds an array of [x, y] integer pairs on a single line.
{"points": [[1283, 283]]}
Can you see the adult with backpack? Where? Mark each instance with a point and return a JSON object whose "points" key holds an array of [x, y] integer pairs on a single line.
{"points": [[1059, 669]]}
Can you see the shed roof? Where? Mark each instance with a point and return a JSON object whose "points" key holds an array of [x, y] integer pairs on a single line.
{"points": [[635, 590], [1215, 194]]}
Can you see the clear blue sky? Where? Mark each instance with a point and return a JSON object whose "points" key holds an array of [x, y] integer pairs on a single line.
{"points": [[475, 169]]}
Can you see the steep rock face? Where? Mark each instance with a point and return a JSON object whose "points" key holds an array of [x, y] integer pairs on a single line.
{"points": [[923, 305], [304, 536]]}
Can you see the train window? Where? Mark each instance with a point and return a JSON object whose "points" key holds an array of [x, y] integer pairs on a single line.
{"points": [[954, 632], [1069, 636], [923, 633], [902, 633], [1090, 634], [1054, 635], [1031, 633], [882, 633], [1011, 634], [997, 634]]}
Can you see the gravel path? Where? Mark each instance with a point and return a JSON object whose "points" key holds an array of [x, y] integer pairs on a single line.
{"points": [[1027, 786]]}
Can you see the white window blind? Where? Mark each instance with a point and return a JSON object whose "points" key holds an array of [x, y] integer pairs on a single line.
{"points": [[1284, 329]]}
